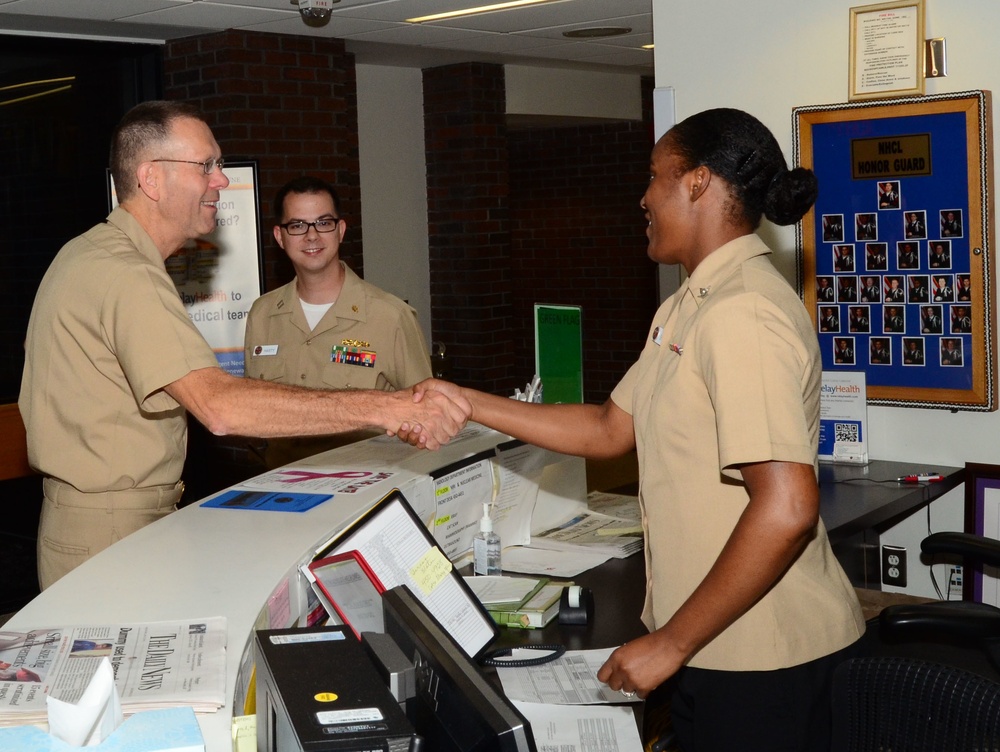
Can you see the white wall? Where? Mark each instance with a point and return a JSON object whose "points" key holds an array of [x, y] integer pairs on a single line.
{"points": [[769, 58], [394, 184], [796, 53], [558, 91]]}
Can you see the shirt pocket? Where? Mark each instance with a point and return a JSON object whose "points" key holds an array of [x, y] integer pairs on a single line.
{"points": [[266, 367], [348, 376]]}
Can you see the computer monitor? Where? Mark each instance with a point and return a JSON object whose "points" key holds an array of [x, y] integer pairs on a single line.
{"points": [[455, 709]]}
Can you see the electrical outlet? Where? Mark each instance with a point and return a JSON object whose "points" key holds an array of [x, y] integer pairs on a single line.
{"points": [[955, 575], [894, 566]]}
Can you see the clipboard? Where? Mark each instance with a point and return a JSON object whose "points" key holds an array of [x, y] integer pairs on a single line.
{"points": [[399, 550], [352, 589]]}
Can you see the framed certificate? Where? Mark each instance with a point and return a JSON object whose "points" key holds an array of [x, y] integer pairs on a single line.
{"points": [[887, 43]]}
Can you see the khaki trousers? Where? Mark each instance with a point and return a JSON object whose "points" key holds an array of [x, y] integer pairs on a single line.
{"points": [[75, 525]]}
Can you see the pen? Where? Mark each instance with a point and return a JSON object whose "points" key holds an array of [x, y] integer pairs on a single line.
{"points": [[925, 477]]}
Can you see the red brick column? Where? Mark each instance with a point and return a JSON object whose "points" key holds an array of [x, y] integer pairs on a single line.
{"points": [[578, 238], [468, 223], [289, 102]]}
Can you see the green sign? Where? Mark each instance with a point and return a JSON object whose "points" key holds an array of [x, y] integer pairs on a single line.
{"points": [[559, 353]]}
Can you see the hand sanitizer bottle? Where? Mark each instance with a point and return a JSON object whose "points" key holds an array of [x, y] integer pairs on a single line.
{"points": [[486, 546]]}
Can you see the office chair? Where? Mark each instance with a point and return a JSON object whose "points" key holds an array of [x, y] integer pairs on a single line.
{"points": [[932, 683]]}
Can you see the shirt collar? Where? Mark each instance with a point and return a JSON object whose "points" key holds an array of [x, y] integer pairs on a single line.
{"points": [[350, 303], [717, 266], [124, 221]]}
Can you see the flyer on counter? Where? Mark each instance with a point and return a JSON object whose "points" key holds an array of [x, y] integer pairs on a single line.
{"points": [[843, 412]]}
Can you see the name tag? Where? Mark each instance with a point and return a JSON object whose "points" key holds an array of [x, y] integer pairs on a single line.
{"points": [[265, 350]]}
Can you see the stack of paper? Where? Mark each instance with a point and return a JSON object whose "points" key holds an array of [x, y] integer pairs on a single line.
{"points": [[156, 665], [520, 602]]}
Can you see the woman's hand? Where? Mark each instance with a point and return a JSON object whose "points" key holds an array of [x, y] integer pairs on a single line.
{"points": [[640, 666]]}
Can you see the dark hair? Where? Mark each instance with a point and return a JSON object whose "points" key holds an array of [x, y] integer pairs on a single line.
{"points": [[304, 184], [145, 126], [740, 149]]}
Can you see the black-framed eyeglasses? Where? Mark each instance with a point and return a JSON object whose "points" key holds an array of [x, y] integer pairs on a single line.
{"points": [[208, 165], [299, 227]]}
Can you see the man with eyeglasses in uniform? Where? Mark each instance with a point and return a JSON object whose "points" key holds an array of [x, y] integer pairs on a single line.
{"points": [[327, 327], [113, 363]]}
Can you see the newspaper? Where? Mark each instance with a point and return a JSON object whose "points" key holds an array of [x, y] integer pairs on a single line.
{"points": [[156, 665], [591, 531]]}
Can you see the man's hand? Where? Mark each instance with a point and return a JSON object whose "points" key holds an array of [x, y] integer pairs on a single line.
{"points": [[432, 417]]}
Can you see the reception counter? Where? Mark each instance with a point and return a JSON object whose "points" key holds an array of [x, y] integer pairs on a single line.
{"points": [[243, 564]]}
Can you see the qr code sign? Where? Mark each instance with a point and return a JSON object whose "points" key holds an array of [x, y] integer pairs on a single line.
{"points": [[845, 432]]}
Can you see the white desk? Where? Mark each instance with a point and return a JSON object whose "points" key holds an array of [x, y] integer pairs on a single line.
{"points": [[207, 561]]}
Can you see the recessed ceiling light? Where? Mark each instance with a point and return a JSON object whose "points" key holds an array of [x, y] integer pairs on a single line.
{"points": [[595, 32], [479, 9]]}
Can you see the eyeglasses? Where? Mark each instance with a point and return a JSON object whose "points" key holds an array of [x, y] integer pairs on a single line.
{"points": [[298, 227], [208, 165]]}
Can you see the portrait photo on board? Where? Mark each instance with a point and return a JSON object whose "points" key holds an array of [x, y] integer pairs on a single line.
{"points": [[951, 223], [915, 225]]}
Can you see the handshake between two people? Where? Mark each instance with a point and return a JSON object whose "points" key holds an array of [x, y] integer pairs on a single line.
{"points": [[439, 411]]}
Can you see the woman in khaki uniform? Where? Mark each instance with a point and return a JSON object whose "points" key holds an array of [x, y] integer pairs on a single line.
{"points": [[747, 607]]}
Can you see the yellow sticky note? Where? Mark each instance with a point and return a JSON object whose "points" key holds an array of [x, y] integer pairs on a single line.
{"points": [[428, 572], [245, 733]]}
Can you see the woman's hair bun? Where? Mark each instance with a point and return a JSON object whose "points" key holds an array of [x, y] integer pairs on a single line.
{"points": [[790, 195]]}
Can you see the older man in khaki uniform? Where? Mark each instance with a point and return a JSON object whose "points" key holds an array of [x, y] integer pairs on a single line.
{"points": [[327, 328], [113, 362]]}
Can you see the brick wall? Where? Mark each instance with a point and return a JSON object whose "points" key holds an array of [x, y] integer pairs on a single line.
{"points": [[468, 226], [533, 216], [578, 238], [290, 103]]}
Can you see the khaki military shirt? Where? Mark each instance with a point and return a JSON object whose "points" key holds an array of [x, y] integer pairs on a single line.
{"points": [[730, 374], [369, 339], [107, 332]]}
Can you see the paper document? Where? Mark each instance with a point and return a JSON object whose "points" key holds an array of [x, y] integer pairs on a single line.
{"points": [[568, 680], [623, 507], [501, 590], [574, 728], [551, 563], [316, 479], [460, 495], [594, 532], [843, 416]]}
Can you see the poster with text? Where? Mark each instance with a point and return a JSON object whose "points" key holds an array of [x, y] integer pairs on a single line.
{"points": [[218, 276]]}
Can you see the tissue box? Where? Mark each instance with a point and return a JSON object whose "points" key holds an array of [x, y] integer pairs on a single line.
{"points": [[168, 730]]}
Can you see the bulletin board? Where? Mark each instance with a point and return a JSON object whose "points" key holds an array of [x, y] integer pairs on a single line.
{"points": [[896, 255]]}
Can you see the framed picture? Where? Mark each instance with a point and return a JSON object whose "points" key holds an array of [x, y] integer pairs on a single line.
{"points": [[887, 50], [912, 178], [982, 517]]}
